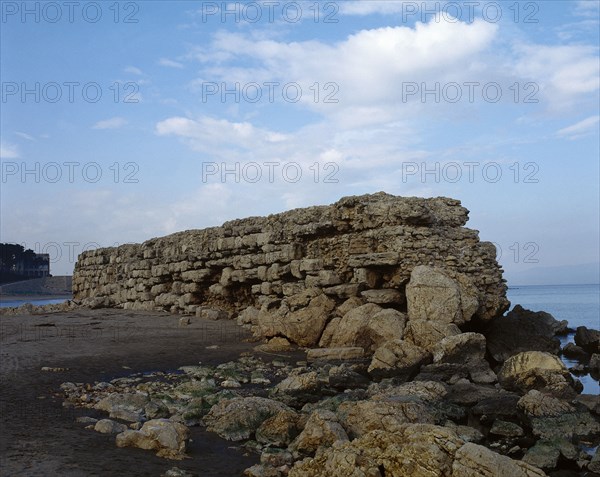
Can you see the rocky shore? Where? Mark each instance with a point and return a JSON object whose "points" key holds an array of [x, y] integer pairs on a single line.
{"points": [[380, 347]]}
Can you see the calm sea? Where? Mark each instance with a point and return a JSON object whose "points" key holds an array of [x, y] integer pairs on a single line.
{"points": [[578, 304], [9, 303]]}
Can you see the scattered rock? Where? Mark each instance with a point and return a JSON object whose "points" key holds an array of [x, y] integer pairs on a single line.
{"points": [[576, 352], [128, 407], [414, 450], [473, 460], [322, 430], [543, 455], [398, 358], [360, 417], [427, 334], [432, 294], [506, 429], [279, 430], [537, 331], [108, 426], [162, 435], [334, 354], [594, 365], [538, 404], [237, 419], [367, 326], [594, 465], [588, 339], [467, 349], [537, 370]]}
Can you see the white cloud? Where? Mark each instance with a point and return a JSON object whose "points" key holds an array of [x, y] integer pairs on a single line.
{"points": [[367, 68], [587, 8], [9, 151], [580, 129], [133, 70], [218, 136], [371, 66], [368, 7], [25, 136], [170, 63], [112, 123], [565, 74]]}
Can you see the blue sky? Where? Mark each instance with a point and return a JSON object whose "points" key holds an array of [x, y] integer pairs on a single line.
{"points": [[123, 121]]}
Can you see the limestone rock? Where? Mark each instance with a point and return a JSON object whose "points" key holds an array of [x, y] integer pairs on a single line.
{"points": [[334, 354], [412, 451], [237, 419], [432, 294], [275, 345], [588, 339], [360, 417], [537, 370], [427, 334], [280, 429], [506, 429], [162, 435], [544, 455], [467, 349], [386, 296], [108, 426], [367, 326], [398, 358], [594, 465], [128, 407], [538, 404], [427, 391], [322, 429], [575, 352], [473, 460], [537, 332]]}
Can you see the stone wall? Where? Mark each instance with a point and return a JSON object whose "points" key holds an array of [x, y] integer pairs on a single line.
{"points": [[363, 248]]}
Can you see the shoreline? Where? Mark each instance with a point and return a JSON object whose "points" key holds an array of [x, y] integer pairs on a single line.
{"points": [[34, 297], [41, 437]]}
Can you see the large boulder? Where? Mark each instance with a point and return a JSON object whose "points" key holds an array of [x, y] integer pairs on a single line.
{"points": [[166, 437], [398, 358], [412, 451], [367, 326], [537, 331], [126, 406], [303, 326], [322, 429], [433, 294], [537, 370], [237, 419], [360, 417], [538, 404], [473, 460], [427, 334], [588, 339], [280, 429], [299, 388], [467, 349]]}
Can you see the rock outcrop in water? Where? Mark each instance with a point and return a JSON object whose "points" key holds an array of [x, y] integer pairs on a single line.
{"points": [[289, 274]]}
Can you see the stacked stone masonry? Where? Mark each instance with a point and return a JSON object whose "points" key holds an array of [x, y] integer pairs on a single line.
{"points": [[362, 248]]}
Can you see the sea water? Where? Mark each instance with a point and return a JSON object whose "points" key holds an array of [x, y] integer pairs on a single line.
{"points": [[578, 304], [37, 302]]}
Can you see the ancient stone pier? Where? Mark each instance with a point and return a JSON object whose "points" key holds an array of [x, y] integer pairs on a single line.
{"points": [[362, 248]]}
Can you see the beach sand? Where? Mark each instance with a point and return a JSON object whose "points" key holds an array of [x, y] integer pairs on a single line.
{"points": [[40, 437]]}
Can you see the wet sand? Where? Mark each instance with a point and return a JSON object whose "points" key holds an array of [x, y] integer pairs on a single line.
{"points": [[39, 437]]}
